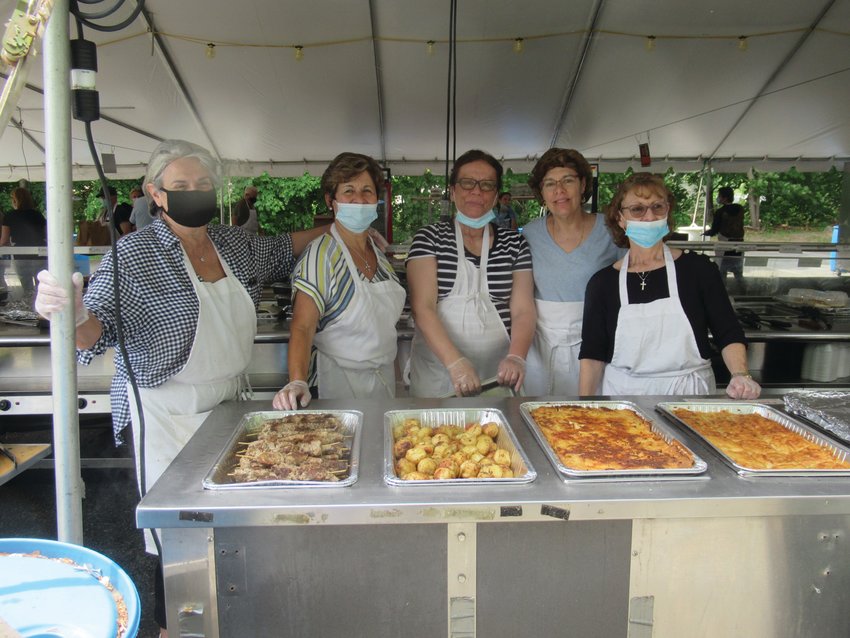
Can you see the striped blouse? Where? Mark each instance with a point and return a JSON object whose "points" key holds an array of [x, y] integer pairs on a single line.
{"points": [[323, 275], [508, 254]]}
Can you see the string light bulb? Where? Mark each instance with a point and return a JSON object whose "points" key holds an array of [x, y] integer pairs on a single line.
{"points": [[429, 47], [210, 52], [650, 43], [519, 45], [299, 53], [743, 45]]}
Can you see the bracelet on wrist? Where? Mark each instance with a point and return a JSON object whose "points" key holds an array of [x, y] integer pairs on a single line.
{"points": [[746, 374]]}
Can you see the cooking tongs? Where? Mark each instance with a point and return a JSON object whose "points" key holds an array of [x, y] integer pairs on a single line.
{"points": [[8, 454], [752, 320]]}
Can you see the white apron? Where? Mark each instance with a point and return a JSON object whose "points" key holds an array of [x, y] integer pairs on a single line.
{"points": [[552, 364], [227, 325], [472, 322], [356, 353], [655, 351]]}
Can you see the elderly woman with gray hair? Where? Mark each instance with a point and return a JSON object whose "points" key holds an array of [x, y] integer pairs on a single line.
{"points": [[188, 294]]}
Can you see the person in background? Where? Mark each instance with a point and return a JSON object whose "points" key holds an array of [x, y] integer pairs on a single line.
{"points": [[347, 298], [728, 225], [189, 291], [244, 212], [647, 317], [118, 213], [24, 226], [471, 291], [568, 246], [140, 215], [505, 213]]}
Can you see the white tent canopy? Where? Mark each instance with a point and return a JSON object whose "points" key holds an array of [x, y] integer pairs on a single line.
{"points": [[764, 83]]}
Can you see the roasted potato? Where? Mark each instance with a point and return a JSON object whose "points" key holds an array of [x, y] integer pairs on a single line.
{"points": [[491, 429], [426, 465]]}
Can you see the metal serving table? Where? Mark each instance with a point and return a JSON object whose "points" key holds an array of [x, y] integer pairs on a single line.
{"points": [[717, 555]]}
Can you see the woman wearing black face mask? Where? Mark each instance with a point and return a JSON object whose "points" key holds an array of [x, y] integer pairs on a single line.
{"points": [[188, 297]]}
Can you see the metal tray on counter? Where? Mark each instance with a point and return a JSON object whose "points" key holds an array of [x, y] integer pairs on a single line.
{"points": [[840, 452], [522, 469], [219, 477], [695, 471]]}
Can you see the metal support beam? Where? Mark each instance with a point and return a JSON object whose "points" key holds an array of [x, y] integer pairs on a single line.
{"points": [[183, 89], [60, 257], [379, 86], [590, 34], [797, 46]]}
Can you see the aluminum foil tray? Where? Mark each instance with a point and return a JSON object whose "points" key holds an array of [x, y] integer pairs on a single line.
{"points": [[219, 477], [828, 409], [699, 466], [839, 451], [523, 471]]}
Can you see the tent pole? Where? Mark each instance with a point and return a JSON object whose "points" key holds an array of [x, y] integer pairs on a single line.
{"points": [[60, 256]]}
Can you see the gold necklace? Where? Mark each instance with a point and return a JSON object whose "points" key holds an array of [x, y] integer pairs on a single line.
{"points": [[362, 256]]}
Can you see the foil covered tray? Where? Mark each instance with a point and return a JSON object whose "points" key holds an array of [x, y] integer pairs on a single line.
{"points": [[506, 439], [698, 468], [827, 409], [220, 476], [840, 452]]}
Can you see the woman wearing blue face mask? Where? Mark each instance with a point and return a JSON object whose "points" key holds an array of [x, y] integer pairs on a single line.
{"points": [[471, 291], [647, 317], [188, 293], [347, 297]]}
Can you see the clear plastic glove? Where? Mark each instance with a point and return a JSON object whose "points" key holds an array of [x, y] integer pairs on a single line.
{"points": [[292, 393], [512, 371], [743, 387], [380, 241], [51, 297], [464, 378]]}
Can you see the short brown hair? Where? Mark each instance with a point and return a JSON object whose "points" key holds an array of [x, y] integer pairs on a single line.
{"points": [[347, 165], [636, 182], [561, 158]]}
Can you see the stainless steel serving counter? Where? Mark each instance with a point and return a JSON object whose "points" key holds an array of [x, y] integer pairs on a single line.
{"points": [[716, 555]]}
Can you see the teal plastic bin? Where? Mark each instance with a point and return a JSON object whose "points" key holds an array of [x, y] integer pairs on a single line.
{"points": [[41, 597]]}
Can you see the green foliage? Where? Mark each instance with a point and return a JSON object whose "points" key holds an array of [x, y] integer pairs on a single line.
{"points": [[790, 199], [284, 204], [798, 199]]}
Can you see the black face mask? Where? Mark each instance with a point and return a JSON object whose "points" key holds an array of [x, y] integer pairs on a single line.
{"points": [[252, 200], [191, 208]]}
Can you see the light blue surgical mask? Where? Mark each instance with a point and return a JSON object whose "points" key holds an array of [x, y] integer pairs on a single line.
{"points": [[356, 217], [475, 222], [647, 234]]}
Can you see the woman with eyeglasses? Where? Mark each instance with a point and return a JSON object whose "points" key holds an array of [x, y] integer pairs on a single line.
{"points": [[647, 317], [568, 246], [471, 291]]}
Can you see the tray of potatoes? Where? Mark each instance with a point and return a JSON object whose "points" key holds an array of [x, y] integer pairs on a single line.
{"points": [[451, 446]]}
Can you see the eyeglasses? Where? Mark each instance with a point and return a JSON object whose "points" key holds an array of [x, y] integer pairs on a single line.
{"points": [[486, 185], [565, 182], [658, 209]]}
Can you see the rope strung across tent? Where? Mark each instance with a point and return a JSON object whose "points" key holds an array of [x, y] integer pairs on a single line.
{"points": [[429, 44]]}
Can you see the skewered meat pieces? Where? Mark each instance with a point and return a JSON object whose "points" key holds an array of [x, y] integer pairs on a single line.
{"points": [[298, 447]]}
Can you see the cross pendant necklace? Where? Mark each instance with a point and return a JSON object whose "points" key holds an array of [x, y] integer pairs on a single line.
{"points": [[642, 276]]}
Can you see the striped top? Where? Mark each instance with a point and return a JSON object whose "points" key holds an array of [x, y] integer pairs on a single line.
{"points": [[508, 254], [323, 275]]}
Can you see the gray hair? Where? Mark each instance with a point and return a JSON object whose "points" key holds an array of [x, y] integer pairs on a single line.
{"points": [[170, 150]]}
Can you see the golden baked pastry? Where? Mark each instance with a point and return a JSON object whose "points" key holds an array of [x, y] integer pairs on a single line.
{"points": [[756, 442], [592, 439]]}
